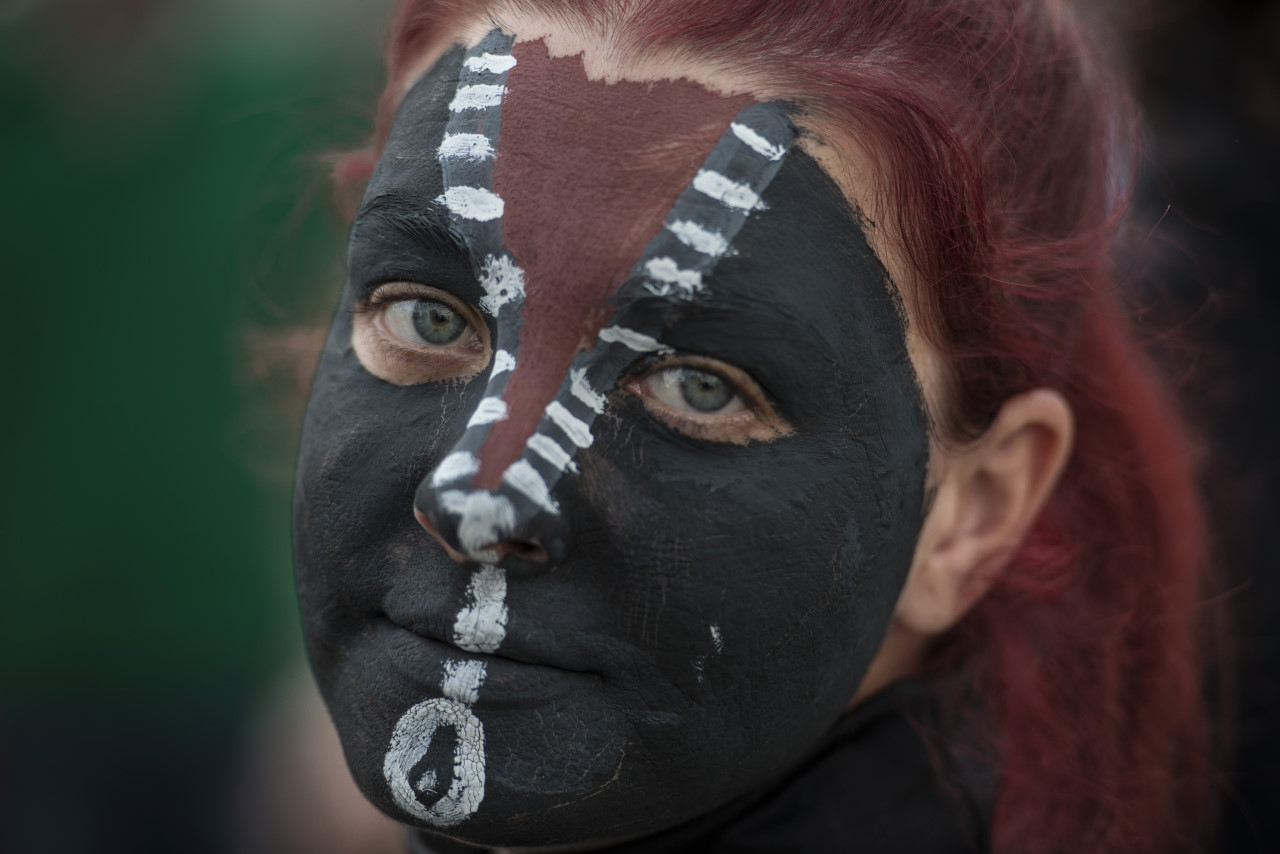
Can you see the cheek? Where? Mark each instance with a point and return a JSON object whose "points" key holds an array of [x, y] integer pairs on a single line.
{"points": [[366, 445], [771, 568]]}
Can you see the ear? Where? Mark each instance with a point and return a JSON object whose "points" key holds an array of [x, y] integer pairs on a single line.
{"points": [[987, 495]]}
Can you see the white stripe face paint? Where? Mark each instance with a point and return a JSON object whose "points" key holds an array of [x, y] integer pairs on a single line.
{"points": [[502, 280], [583, 391], [483, 519], [546, 447], [524, 478], [481, 626], [474, 147], [481, 96], [573, 426], [727, 192], [411, 741], [456, 466], [489, 63], [637, 341], [698, 238], [717, 640], [475, 203], [462, 680], [503, 362], [669, 277], [757, 143], [490, 411]]}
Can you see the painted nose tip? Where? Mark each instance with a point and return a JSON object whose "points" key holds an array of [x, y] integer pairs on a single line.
{"points": [[523, 552]]}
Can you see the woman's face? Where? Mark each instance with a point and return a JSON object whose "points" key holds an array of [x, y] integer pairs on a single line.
{"points": [[615, 461]]}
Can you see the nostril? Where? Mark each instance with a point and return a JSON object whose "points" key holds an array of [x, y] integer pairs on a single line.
{"points": [[523, 549], [436, 535], [529, 550]]}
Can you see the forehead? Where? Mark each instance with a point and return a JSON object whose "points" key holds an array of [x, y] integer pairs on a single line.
{"points": [[589, 170]]}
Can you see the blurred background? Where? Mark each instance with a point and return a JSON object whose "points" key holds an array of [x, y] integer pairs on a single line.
{"points": [[164, 204]]}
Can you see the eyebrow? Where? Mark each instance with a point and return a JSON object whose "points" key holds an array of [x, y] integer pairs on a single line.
{"points": [[427, 226]]}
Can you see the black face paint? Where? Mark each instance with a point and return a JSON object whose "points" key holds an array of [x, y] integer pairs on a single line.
{"points": [[706, 610]]}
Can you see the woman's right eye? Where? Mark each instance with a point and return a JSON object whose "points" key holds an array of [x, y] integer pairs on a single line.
{"points": [[408, 333], [425, 322]]}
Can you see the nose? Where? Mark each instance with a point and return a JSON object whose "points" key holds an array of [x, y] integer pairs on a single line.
{"points": [[524, 551], [499, 526]]}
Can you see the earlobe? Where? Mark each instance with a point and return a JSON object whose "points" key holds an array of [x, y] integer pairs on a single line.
{"points": [[988, 494]]}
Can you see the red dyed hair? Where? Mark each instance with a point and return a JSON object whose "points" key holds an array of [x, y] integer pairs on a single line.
{"points": [[1006, 144]]}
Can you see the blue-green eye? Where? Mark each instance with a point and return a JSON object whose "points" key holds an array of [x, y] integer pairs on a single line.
{"points": [[426, 322], [709, 399], [705, 391], [695, 391]]}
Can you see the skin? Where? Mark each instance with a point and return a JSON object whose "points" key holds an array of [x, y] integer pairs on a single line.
{"points": [[672, 603]]}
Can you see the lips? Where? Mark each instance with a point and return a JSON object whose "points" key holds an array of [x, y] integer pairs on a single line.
{"points": [[507, 681]]}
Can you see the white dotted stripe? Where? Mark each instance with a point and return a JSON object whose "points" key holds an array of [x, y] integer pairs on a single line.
{"points": [[462, 680], [479, 96], [699, 238], [574, 427], [756, 142], [585, 394], [473, 203], [550, 450], [502, 280], [481, 625], [490, 63], [503, 363], [490, 411], [666, 277], [730, 193], [637, 341], [474, 147], [455, 467], [525, 479], [483, 519]]}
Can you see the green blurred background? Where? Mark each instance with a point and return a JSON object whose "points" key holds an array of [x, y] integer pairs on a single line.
{"points": [[164, 210]]}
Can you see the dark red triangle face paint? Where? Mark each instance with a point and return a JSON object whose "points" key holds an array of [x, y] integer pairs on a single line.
{"points": [[587, 171]]}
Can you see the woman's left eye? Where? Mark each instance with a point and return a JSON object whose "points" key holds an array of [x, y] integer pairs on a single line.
{"points": [[694, 390], [709, 399]]}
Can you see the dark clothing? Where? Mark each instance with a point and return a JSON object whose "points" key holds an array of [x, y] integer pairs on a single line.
{"points": [[873, 787]]}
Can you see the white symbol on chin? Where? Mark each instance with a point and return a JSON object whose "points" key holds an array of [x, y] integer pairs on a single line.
{"points": [[409, 744]]}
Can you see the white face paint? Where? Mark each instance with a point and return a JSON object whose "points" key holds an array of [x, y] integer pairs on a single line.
{"points": [[489, 63], [503, 283], [480, 627], [465, 146], [573, 426], [490, 411], [699, 239], [668, 278], [726, 191], [474, 203], [456, 466], [524, 478], [756, 142], [482, 624], [481, 96], [629, 338]]}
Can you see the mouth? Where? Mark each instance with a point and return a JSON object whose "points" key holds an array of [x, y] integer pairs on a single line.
{"points": [[510, 678]]}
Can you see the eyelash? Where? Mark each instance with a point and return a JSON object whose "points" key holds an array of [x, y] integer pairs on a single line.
{"points": [[390, 358], [757, 421]]}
